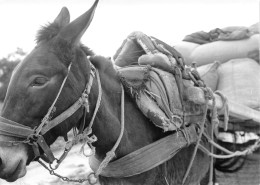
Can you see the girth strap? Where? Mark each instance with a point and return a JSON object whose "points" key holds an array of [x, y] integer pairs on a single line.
{"points": [[148, 157]]}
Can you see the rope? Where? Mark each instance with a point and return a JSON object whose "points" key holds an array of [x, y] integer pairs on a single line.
{"points": [[111, 154], [217, 145], [88, 130], [52, 107], [199, 138], [211, 150], [214, 128], [224, 108], [97, 104], [248, 151]]}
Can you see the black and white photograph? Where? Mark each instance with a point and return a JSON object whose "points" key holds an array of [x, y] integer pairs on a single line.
{"points": [[129, 92]]}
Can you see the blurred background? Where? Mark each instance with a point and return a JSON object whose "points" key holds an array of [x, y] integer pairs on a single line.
{"points": [[169, 20]]}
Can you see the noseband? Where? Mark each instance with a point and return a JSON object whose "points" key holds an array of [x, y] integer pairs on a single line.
{"points": [[34, 137]]}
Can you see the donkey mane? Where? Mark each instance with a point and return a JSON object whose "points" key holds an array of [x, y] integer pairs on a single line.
{"points": [[48, 32], [64, 50]]}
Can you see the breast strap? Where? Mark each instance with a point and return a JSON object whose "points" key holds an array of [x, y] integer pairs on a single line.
{"points": [[148, 157]]}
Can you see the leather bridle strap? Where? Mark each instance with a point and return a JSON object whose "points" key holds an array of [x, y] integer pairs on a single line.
{"points": [[14, 129], [47, 117], [82, 101]]}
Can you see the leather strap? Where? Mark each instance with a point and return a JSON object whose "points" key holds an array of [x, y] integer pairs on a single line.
{"points": [[82, 101], [46, 149], [148, 157], [63, 116], [14, 129]]}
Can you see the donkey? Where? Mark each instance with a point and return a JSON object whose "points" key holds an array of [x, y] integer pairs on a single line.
{"points": [[39, 78]]}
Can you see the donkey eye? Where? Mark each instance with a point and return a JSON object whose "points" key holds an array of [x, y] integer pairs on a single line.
{"points": [[39, 81]]}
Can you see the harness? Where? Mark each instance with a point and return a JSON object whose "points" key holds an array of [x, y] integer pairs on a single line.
{"points": [[134, 163]]}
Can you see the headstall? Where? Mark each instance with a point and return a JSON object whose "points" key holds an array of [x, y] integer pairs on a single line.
{"points": [[34, 137]]}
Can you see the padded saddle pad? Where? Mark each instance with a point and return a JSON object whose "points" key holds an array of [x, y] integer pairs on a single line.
{"points": [[153, 77], [156, 94]]}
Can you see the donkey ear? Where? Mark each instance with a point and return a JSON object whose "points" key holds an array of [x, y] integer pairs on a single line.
{"points": [[74, 31], [63, 18]]}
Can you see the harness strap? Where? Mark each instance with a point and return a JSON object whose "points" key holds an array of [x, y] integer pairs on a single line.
{"points": [[148, 157], [56, 121], [48, 155], [83, 100], [14, 129], [111, 154], [98, 101], [47, 117]]}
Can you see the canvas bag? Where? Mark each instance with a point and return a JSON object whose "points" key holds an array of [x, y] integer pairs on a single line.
{"points": [[239, 80]]}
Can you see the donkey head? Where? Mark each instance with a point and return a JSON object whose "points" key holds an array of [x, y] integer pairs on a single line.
{"points": [[37, 80]]}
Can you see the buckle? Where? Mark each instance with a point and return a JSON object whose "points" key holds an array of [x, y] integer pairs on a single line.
{"points": [[46, 149], [85, 101], [38, 142]]}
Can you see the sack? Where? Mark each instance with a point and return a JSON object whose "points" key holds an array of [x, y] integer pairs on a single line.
{"points": [[209, 74], [221, 51], [239, 80], [224, 51], [186, 48]]}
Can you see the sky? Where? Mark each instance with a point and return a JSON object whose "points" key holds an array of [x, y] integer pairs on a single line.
{"points": [[168, 20]]}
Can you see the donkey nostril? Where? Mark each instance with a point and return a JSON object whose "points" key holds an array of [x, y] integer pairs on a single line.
{"points": [[1, 161]]}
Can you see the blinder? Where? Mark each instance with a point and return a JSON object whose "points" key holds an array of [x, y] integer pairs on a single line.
{"points": [[34, 137]]}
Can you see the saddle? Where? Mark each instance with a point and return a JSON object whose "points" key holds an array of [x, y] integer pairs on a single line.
{"points": [[165, 90]]}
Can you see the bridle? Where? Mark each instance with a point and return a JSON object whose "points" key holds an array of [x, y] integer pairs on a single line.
{"points": [[34, 137]]}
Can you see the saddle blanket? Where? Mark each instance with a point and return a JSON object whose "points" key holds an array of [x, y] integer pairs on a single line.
{"points": [[153, 76]]}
